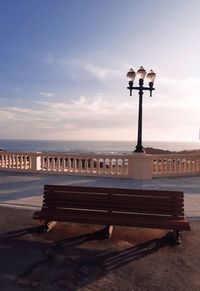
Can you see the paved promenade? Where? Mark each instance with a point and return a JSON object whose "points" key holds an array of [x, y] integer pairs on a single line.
{"points": [[25, 189]]}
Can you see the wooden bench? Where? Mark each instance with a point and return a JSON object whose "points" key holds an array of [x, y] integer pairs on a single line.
{"points": [[114, 206]]}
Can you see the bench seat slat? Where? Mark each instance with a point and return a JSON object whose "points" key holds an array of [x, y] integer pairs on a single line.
{"points": [[123, 207], [120, 219], [78, 196], [172, 203], [86, 212], [115, 198], [79, 189], [110, 200]]}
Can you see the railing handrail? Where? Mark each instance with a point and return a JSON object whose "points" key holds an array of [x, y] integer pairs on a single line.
{"points": [[176, 155]]}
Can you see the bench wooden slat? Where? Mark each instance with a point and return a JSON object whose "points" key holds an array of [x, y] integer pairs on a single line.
{"points": [[115, 200], [120, 219], [81, 189], [110, 203], [153, 209], [115, 197], [77, 196]]}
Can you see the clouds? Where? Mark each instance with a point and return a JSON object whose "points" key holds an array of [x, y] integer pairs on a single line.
{"points": [[172, 113], [81, 118], [179, 87], [97, 65], [46, 94], [102, 73]]}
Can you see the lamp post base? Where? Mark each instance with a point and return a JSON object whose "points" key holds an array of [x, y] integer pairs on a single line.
{"points": [[139, 149]]}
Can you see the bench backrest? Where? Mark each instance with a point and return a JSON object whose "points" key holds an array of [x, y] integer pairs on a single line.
{"points": [[153, 202]]}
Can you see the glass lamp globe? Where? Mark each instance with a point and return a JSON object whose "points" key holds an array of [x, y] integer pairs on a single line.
{"points": [[151, 76], [141, 73], [131, 75]]}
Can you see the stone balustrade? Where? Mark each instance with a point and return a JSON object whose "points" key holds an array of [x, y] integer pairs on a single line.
{"points": [[83, 164], [16, 161], [126, 165], [176, 165]]}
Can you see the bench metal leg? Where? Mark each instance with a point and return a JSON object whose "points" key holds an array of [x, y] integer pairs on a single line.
{"points": [[176, 236], [48, 225], [108, 231]]}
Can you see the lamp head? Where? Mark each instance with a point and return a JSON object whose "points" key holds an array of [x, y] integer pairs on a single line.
{"points": [[141, 73], [151, 76], [131, 75]]}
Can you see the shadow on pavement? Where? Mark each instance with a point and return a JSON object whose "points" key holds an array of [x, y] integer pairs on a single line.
{"points": [[71, 263]]}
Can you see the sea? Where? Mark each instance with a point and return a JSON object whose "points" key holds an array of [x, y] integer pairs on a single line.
{"points": [[20, 145]]}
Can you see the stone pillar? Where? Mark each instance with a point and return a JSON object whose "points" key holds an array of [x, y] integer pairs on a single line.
{"points": [[36, 162], [140, 166]]}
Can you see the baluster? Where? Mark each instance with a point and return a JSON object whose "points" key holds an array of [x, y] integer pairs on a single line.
{"points": [[50, 163], [183, 165], [174, 165], [100, 170], [5, 161], [2, 161], [113, 166], [21, 162], [155, 164], [109, 166], [8, 156], [126, 167], [42, 163], [46, 164], [104, 166], [193, 165], [71, 164], [13, 161], [78, 165], [58, 164], [66, 165], [122, 167], [177, 166], [197, 165], [188, 166], [98, 166], [160, 166], [16, 161], [9, 161], [82, 165], [62, 164], [169, 168], [92, 165], [75, 165], [86, 165], [54, 163], [165, 165], [25, 163]]}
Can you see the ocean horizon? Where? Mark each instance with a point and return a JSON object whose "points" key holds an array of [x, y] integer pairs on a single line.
{"points": [[90, 146]]}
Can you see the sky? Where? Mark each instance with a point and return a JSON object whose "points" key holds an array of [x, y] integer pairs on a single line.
{"points": [[63, 68]]}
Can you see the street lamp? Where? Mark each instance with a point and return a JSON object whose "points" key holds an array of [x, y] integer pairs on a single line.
{"points": [[141, 73]]}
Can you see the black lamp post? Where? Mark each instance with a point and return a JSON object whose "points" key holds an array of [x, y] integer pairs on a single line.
{"points": [[141, 73]]}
